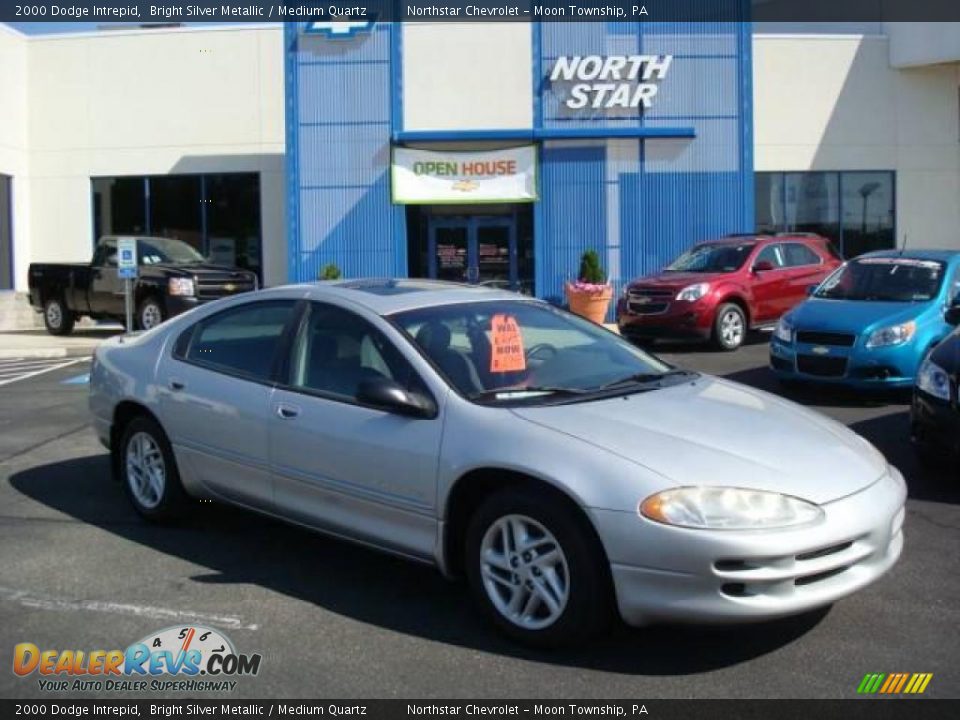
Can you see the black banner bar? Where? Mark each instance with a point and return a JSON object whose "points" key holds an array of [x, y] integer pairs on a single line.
{"points": [[194, 11], [857, 709]]}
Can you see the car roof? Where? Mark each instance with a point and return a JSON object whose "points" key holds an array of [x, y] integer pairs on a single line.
{"points": [[385, 296], [910, 254]]}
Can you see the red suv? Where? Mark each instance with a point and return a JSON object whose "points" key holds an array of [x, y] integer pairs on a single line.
{"points": [[719, 290]]}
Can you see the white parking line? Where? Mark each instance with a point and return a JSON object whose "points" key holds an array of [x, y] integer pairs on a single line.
{"points": [[14, 371], [29, 600]]}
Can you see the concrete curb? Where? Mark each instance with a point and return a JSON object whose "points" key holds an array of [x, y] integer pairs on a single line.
{"points": [[45, 353]]}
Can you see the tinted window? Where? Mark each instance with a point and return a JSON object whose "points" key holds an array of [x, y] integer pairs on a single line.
{"points": [[770, 254], [241, 340], [336, 350], [795, 255]]}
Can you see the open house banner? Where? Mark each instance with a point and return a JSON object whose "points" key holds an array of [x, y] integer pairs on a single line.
{"points": [[427, 176]]}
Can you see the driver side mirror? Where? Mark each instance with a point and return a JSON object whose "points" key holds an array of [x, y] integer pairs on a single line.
{"points": [[811, 289], [762, 266], [390, 396]]}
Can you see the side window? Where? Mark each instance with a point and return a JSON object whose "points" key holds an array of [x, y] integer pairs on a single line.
{"points": [[771, 254], [106, 254], [797, 255], [953, 292], [335, 351], [241, 341]]}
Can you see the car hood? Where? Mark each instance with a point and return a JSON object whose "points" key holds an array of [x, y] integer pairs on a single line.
{"points": [[200, 270], [852, 316], [674, 280], [716, 432]]}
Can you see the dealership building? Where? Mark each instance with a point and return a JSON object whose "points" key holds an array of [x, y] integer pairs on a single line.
{"points": [[484, 152]]}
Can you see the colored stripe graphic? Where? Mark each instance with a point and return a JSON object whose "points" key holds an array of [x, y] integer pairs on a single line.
{"points": [[894, 683]]}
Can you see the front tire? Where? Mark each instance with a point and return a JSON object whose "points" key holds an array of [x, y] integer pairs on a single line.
{"points": [[148, 471], [150, 314], [57, 318], [729, 327], [535, 570]]}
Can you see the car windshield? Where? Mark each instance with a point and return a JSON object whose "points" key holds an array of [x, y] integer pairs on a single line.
{"points": [[891, 279], [712, 258], [166, 250], [515, 351]]}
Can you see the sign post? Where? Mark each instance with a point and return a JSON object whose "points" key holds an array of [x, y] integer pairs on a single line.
{"points": [[127, 271]]}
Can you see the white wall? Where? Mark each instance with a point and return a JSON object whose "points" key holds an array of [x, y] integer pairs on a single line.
{"points": [[151, 102], [835, 103], [923, 43], [14, 136], [467, 76]]}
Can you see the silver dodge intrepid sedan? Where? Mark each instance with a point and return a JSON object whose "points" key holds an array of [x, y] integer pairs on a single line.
{"points": [[564, 472]]}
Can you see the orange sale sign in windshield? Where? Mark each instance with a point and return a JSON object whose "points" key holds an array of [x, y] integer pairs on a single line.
{"points": [[506, 352]]}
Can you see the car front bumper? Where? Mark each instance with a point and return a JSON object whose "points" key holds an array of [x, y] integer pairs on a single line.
{"points": [[680, 320], [668, 574], [858, 367]]}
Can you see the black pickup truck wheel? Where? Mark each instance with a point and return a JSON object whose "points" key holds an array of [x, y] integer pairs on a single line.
{"points": [[57, 317]]}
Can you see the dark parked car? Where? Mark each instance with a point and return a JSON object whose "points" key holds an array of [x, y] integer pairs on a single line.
{"points": [[935, 414], [172, 278], [721, 289]]}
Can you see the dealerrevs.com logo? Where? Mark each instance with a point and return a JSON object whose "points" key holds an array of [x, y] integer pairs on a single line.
{"points": [[188, 659]]}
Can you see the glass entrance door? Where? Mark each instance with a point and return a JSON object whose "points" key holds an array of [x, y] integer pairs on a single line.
{"points": [[478, 249]]}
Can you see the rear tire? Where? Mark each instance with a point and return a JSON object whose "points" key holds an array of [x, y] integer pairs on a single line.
{"points": [[57, 318], [535, 570], [148, 471], [729, 327]]}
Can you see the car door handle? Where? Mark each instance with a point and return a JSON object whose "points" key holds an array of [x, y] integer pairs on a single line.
{"points": [[287, 412], [176, 385]]}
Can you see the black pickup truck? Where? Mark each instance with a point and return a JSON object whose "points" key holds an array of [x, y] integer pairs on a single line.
{"points": [[172, 278]]}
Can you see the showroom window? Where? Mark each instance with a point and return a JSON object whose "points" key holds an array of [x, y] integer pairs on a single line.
{"points": [[853, 209], [218, 214]]}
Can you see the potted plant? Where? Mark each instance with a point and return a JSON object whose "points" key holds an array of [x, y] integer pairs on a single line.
{"points": [[590, 295], [330, 271]]}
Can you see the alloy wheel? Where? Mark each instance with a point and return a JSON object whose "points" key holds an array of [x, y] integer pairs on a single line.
{"points": [[524, 572], [54, 314], [731, 328], [150, 316], [146, 470]]}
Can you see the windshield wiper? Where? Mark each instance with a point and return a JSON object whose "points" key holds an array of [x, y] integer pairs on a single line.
{"points": [[522, 393], [642, 378]]}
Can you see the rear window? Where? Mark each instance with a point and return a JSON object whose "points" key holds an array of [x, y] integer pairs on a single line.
{"points": [[241, 341]]}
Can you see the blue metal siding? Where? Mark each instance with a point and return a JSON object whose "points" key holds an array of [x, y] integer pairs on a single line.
{"points": [[340, 112], [642, 202], [639, 201]]}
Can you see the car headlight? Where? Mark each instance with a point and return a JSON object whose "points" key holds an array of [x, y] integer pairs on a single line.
{"points": [[180, 286], [723, 508], [893, 335], [692, 293], [933, 380], [784, 330]]}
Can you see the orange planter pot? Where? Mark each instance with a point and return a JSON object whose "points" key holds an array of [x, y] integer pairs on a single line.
{"points": [[592, 306]]}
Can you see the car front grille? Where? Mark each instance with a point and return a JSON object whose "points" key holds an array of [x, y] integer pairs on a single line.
{"points": [[649, 301], [814, 337], [821, 366], [219, 285]]}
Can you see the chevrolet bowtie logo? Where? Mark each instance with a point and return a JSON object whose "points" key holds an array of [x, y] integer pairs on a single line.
{"points": [[229, 287], [465, 185], [339, 29]]}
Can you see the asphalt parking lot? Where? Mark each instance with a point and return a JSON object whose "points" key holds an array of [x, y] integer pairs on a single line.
{"points": [[81, 571]]}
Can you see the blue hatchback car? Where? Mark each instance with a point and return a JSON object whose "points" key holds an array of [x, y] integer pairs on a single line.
{"points": [[870, 323]]}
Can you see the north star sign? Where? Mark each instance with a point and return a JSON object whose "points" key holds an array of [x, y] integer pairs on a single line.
{"points": [[612, 81]]}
